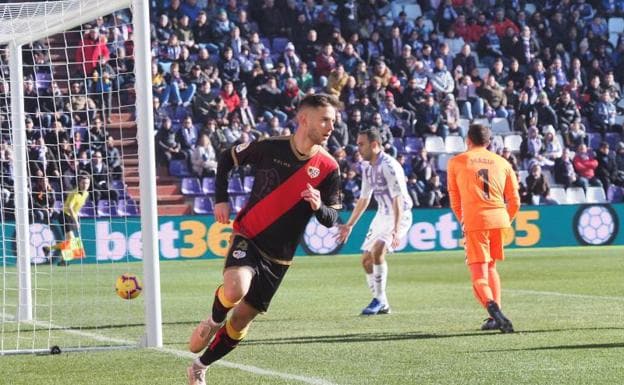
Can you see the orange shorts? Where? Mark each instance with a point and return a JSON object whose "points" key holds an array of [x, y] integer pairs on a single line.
{"points": [[483, 246]]}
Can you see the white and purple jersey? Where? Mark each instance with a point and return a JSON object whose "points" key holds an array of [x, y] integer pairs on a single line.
{"points": [[385, 179]]}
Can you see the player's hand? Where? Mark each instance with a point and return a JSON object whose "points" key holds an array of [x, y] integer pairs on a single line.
{"points": [[343, 233], [395, 239], [312, 196], [222, 212]]}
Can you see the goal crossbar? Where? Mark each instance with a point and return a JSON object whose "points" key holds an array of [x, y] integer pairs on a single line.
{"points": [[25, 22]]}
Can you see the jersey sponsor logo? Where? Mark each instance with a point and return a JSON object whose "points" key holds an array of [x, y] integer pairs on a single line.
{"points": [[241, 249], [241, 147], [314, 172]]}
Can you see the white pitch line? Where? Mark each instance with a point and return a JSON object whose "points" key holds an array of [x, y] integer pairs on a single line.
{"points": [[181, 353], [559, 294]]}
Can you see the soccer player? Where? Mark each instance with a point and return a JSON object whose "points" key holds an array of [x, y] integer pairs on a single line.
{"points": [[73, 203], [479, 184], [383, 178], [295, 178]]}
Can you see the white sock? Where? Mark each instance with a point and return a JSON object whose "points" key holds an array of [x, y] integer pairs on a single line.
{"points": [[198, 362], [370, 280], [380, 273]]}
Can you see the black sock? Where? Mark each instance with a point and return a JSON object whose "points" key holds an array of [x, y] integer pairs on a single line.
{"points": [[221, 345]]}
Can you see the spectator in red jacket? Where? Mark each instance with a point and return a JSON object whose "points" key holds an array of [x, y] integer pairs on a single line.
{"points": [[92, 47], [501, 23], [585, 165], [229, 96]]}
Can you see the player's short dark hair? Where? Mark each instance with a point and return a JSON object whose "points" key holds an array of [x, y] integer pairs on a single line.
{"points": [[372, 134], [319, 100], [479, 134]]}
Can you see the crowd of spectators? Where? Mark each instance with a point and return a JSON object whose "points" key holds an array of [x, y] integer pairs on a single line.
{"points": [[69, 102], [228, 72]]}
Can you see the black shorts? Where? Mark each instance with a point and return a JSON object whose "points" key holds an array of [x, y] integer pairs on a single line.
{"points": [[267, 276], [70, 224]]}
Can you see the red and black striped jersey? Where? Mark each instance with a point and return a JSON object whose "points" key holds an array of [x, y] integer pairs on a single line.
{"points": [[275, 216]]}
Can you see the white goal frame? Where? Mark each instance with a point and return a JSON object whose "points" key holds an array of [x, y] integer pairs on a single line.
{"points": [[21, 23]]}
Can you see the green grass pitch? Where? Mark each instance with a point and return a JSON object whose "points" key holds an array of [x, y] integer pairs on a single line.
{"points": [[567, 306]]}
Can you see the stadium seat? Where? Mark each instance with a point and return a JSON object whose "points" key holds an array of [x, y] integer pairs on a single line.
{"points": [[443, 177], [127, 207], [203, 205], [413, 144], [248, 182], [443, 161], [191, 186], [58, 206], [106, 208], [549, 177], [575, 195], [497, 141], [616, 25], [238, 202], [530, 8], [82, 130], [482, 121], [413, 11], [595, 195], [398, 143], [613, 38], [235, 186], [619, 119], [435, 145], [464, 124], [208, 185], [613, 138], [594, 139], [500, 126], [558, 194], [279, 44], [265, 42], [513, 142], [615, 194], [483, 72], [179, 168], [454, 144], [88, 210], [522, 175]]}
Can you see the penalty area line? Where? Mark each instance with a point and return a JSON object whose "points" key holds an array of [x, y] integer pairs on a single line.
{"points": [[179, 353]]}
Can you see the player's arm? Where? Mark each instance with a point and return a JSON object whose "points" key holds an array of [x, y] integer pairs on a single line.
{"points": [[362, 203], [230, 158], [326, 200], [512, 196], [453, 191]]}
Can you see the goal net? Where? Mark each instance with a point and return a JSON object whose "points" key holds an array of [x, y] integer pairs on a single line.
{"points": [[73, 172]]}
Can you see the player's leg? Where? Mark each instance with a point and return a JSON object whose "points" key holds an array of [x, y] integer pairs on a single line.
{"points": [[494, 281], [236, 283], [227, 339], [367, 265], [379, 304], [493, 307]]}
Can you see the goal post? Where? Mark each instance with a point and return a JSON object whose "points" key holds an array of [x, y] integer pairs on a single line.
{"points": [[33, 295]]}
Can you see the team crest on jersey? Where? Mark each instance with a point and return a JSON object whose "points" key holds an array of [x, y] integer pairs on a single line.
{"points": [[241, 147], [314, 172]]}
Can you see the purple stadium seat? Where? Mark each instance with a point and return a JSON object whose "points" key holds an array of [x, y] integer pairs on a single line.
{"points": [[238, 202], [203, 205], [615, 194], [208, 185], [413, 144], [398, 143], [613, 138], [127, 207], [594, 139], [107, 208], [235, 186], [88, 210], [248, 183], [179, 168], [58, 205], [191, 186]]}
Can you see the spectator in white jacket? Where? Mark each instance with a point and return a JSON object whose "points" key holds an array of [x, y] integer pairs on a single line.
{"points": [[441, 79], [203, 158]]}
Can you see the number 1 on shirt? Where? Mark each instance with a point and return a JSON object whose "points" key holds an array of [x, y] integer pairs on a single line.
{"points": [[485, 177]]}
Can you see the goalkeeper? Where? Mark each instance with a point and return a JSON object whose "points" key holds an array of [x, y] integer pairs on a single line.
{"points": [[69, 220]]}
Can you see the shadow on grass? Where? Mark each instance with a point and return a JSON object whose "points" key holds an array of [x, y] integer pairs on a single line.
{"points": [[562, 347]]}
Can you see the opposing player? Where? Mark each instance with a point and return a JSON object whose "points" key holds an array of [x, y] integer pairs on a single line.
{"points": [[383, 178], [295, 178], [479, 184]]}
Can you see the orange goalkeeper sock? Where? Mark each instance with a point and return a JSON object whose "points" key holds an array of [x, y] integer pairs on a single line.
{"points": [[494, 282], [480, 284]]}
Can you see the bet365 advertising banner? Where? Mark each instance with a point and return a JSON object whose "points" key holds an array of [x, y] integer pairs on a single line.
{"points": [[192, 237]]}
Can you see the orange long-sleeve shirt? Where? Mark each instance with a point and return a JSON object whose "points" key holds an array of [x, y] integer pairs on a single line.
{"points": [[479, 184]]}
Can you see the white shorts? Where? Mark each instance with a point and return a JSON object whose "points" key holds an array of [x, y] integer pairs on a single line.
{"points": [[381, 230]]}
